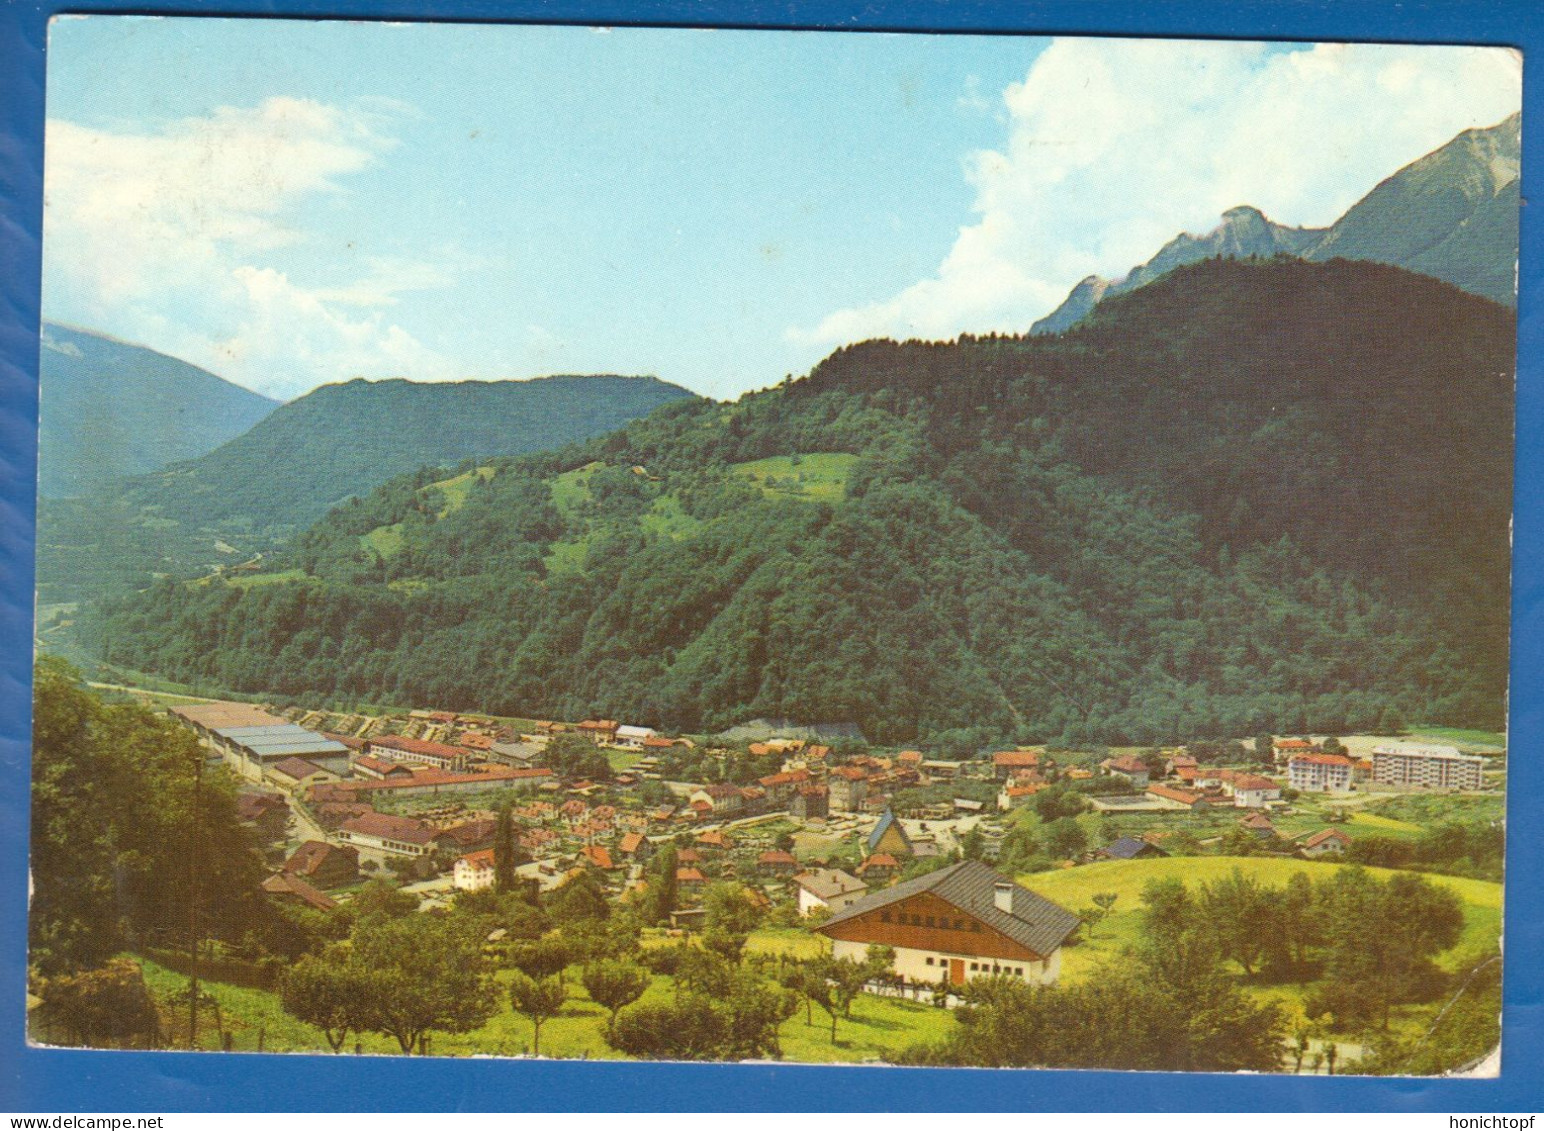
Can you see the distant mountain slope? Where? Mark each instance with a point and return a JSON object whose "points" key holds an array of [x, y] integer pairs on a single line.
{"points": [[1264, 495], [343, 440], [111, 409], [1243, 233], [338, 441], [1452, 214]]}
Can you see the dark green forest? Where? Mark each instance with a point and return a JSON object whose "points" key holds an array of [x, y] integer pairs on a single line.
{"points": [[1253, 495]]}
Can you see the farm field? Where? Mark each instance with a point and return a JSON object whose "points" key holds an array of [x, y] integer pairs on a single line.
{"points": [[878, 1028], [821, 476], [1076, 887]]}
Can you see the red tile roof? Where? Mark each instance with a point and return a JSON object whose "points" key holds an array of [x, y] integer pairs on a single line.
{"points": [[689, 876], [1184, 797], [390, 827], [776, 856], [417, 746], [1016, 759], [598, 856], [631, 843], [481, 859], [1322, 759]]}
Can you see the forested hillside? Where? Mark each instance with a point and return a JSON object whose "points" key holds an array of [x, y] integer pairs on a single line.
{"points": [[254, 492], [1249, 496]]}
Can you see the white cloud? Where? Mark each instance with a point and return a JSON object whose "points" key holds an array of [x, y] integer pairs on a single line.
{"points": [[1115, 146], [168, 237]]}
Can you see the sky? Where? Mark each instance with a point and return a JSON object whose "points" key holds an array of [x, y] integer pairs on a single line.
{"points": [[291, 203]]}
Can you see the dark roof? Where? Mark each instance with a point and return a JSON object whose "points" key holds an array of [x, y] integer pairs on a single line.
{"points": [[1035, 922], [297, 768], [879, 831], [1128, 847]]}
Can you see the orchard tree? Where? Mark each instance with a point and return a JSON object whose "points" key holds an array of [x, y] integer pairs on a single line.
{"points": [[612, 985], [538, 1000]]}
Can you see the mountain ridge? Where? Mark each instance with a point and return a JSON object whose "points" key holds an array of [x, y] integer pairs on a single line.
{"points": [[1451, 214]]}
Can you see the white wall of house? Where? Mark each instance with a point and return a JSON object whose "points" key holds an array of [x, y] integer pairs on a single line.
{"points": [[1254, 798], [931, 965], [469, 877]]}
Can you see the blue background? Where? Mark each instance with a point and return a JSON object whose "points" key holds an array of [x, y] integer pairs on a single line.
{"points": [[42, 1080]]}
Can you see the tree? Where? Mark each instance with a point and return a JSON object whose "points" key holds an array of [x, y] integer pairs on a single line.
{"points": [[1238, 908], [540, 958], [417, 973], [1093, 916], [505, 852], [1065, 838], [688, 1029], [973, 845], [612, 985], [536, 1000], [581, 897], [662, 888], [729, 910], [110, 1004], [1264, 748], [327, 992]]}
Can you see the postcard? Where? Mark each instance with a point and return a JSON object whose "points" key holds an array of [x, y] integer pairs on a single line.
{"points": [[840, 548]]}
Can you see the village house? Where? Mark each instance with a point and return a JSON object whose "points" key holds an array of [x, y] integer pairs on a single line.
{"points": [[690, 882], [1251, 791], [1258, 825], [1325, 842], [1285, 749], [597, 856], [399, 836], [713, 841], [1006, 763], [378, 769], [602, 732], [722, 798], [293, 889], [848, 786], [1127, 766], [1011, 797], [635, 846], [1171, 797], [475, 871], [781, 787], [810, 803], [633, 738], [1128, 848], [776, 862], [960, 922], [879, 869], [1319, 773], [267, 814], [399, 748], [468, 836], [827, 888], [324, 865]]}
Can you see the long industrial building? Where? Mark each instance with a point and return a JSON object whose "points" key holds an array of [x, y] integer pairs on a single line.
{"points": [[251, 740]]}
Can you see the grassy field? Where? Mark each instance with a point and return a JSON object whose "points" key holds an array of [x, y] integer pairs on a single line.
{"points": [[666, 518], [456, 488], [820, 476], [622, 760], [877, 1029], [1075, 888], [572, 488], [1457, 736], [384, 540]]}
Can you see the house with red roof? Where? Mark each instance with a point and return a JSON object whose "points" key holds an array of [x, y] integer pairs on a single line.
{"points": [[879, 869], [385, 832], [399, 748], [1006, 762], [293, 889], [1177, 798], [777, 863], [1127, 766], [475, 871], [1252, 791], [1325, 842], [597, 856], [323, 865]]}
